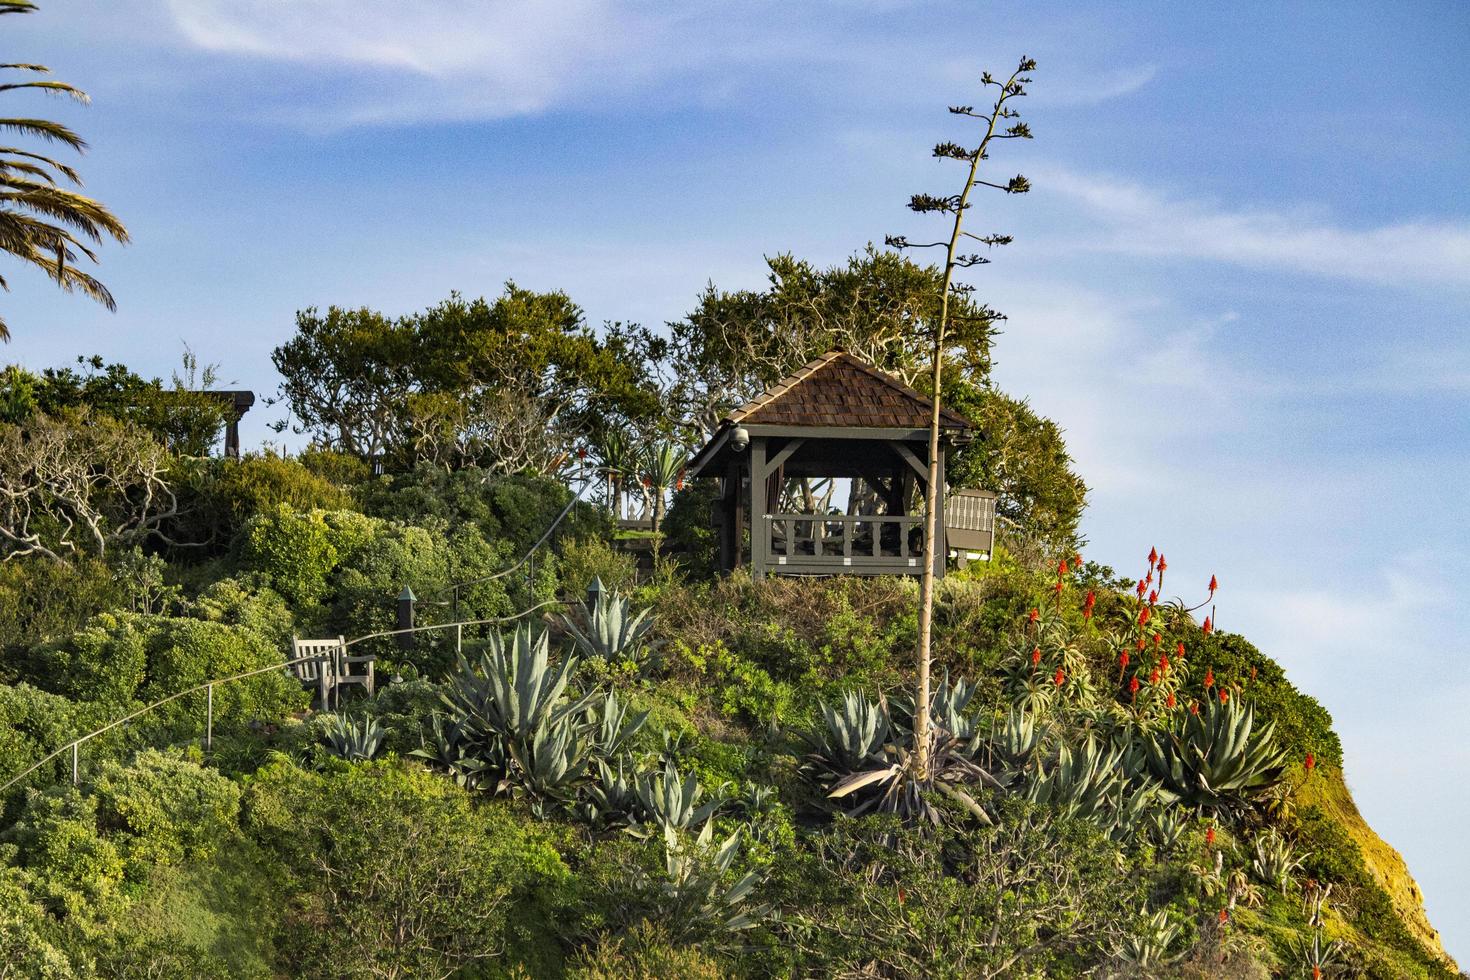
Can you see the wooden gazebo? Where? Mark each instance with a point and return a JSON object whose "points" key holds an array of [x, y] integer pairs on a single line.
{"points": [[837, 417]]}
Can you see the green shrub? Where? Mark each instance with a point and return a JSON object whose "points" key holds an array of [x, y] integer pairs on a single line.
{"points": [[231, 603], [183, 653], [230, 492], [292, 552], [41, 599], [338, 469], [34, 723], [106, 661], [165, 808], [395, 870], [73, 870], [586, 559]]}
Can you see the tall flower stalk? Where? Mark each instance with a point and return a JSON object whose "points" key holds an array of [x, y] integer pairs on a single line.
{"points": [[995, 127]]}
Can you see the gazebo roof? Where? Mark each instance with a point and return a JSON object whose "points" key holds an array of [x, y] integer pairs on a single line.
{"points": [[838, 389]]}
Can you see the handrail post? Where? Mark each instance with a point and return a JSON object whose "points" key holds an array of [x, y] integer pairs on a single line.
{"points": [[75, 772], [459, 638], [209, 718]]}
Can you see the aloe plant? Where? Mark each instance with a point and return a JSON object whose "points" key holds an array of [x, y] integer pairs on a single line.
{"points": [[1273, 860], [1217, 759], [354, 741], [611, 630]]}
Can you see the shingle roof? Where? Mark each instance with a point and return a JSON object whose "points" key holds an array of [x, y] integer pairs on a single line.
{"points": [[839, 389]]}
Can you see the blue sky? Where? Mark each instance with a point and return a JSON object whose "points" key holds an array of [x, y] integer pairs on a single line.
{"points": [[1240, 283]]}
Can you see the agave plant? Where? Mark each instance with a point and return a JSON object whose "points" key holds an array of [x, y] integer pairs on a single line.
{"points": [[612, 797], [1217, 759], [1089, 782], [671, 800], [896, 785], [449, 750], [613, 726], [513, 691], [696, 894], [1016, 744], [852, 736], [354, 741], [1273, 861], [1148, 947], [1167, 827], [610, 630]]}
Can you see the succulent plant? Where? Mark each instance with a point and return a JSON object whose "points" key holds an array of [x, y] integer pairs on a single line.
{"points": [[1217, 759], [1273, 860], [1147, 948], [696, 894], [671, 800], [354, 741], [1166, 827], [610, 630], [852, 736], [613, 726]]}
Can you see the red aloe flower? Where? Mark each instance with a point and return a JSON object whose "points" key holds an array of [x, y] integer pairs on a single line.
{"points": [[1153, 557], [1077, 561], [1133, 686], [1153, 598], [1143, 615], [1123, 660], [1208, 627], [1311, 762], [1169, 701], [1062, 567], [1035, 615], [1058, 587], [1091, 599], [1060, 677], [1158, 638], [1036, 656], [1162, 565], [1214, 584], [1142, 586], [1209, 677], [1224, 695], [1140, 643], [1154, 677], [1086, 612], [1224, 916], [1164, 663], [1180, 649], [1194, 707], [1210, 837], [1316, 972]]}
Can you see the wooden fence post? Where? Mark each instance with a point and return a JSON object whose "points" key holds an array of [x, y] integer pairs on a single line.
{"points": [[209, 717]]}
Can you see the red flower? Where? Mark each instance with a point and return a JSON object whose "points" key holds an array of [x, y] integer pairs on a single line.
{"points": [[1158, 638], [1153, 597], [1210, 837], [1169, 701], [1316, 972], [1060, 677], [1194, 707], [1123, 660], [1035, 615], [1143, 615], [1154, 677], [1208, 627], [1253, 673], [1062, 567], [1086, 612], [1311, 762], [1209, 677], [1141, 587], [1058, 587], [1224, 695], [1091, 599], [1133, 685], [1224, 916], [1164, 663], [1153, 557], [1180, 649], [1036, 656], [1214, 584], [1162, 565], [1077, 562], [1140, 643]]}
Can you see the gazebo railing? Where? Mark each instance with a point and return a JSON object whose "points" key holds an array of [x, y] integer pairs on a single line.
{"points": [[846, 540]]}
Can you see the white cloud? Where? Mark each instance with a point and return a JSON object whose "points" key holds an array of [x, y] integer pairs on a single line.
{"points": [[1139, 220]]}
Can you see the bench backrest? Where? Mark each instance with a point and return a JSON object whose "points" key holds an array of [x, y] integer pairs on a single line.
{"points": [[331, 650]]}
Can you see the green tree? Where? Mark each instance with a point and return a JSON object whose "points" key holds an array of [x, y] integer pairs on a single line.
{"points": [[42, 222]]}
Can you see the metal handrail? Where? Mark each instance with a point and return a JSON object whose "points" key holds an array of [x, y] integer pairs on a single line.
{"points": [[208, 687]]}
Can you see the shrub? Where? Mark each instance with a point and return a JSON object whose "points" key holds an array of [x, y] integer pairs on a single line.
{"points": [[398, 873], [33, 723], [230, 603], [106, 661], [183, 653], [166, 808], [41, 599], [292, 552], [589, 558], [228, 493]]}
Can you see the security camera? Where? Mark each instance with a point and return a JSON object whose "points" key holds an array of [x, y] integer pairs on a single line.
{"points": [[739, 439]]}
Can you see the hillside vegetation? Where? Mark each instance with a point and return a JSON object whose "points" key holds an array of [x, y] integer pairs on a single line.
{"points": [[688, 776]]}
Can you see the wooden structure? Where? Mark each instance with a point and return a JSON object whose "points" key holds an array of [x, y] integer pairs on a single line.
{"points": [[329, 668], [837, 417]]}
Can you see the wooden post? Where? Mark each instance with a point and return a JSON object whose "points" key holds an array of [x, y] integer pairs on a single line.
{"points": [[760, 528], [459, 637], [208, 717], [75, 772]]}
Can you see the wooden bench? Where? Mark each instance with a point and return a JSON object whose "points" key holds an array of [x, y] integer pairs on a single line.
{"points": [[325, 665]]}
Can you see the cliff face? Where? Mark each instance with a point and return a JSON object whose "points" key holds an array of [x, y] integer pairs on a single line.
{"points": [[1383, 863]]}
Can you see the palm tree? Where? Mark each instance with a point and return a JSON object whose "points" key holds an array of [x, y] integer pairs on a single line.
{"points": [[42, 222]]}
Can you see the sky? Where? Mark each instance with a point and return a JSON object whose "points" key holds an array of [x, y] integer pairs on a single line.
{"points": [[1240, 282]]}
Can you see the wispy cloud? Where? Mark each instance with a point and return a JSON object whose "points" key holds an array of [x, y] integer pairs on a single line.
{"points": [[1135, 219]]}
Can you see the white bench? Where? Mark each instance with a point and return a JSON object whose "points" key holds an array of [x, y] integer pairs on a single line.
{"points": [[325, 665]]}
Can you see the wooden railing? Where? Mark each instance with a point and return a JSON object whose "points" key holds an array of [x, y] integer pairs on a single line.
{"points": [[845, 541]]}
